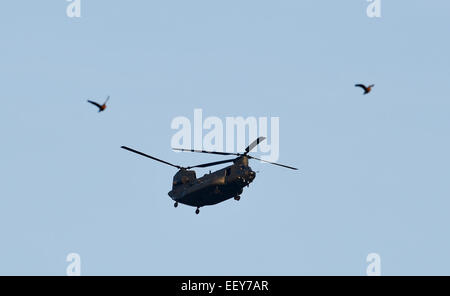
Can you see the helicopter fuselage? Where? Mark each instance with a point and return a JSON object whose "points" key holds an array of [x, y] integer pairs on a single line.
{"points": [[212, 188]]}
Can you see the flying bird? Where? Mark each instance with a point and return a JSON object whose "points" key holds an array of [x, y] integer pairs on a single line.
{"points": [[367, 89], [100, 107]]}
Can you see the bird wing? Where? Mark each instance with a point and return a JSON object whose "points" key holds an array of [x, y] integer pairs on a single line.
{"points": [[106, 100], [361, 86], [94, 103]]}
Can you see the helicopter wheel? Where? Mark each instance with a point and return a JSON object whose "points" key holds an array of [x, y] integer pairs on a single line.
{"points": [[175, 204], [237, 197], [197, 211]]}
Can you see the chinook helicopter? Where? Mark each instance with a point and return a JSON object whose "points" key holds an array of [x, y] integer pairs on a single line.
{"points": [[215, 187]]}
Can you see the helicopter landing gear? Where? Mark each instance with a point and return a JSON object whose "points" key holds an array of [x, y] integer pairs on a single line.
{"points": [[175, 204], [197, 211], [237, 197]]}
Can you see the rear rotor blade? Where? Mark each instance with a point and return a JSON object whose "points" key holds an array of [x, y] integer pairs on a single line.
{"points": [[254, 144], [154, 158], [279, 164], [203, 151], [211, 164], [247, 150]]}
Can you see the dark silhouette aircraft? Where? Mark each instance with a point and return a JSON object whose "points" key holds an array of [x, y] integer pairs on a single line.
{"points": [[100, 107], [367, 89], [214, 187]]}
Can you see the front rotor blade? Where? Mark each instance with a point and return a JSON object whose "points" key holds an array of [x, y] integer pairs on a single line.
{"points": [[211, 164], [146, 155], [203, 151], [254, 144], [281, 165]]}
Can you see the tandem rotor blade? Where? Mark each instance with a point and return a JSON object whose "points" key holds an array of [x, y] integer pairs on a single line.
{"points": [[254, 144], [154, 158], [203, 151], [247, 150], [211, 164], [279, 164]]}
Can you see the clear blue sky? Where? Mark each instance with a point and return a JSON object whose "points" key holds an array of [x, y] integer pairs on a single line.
{"points": [[374, 170]]}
